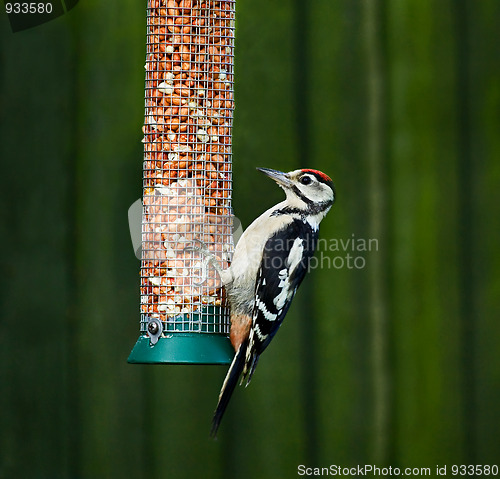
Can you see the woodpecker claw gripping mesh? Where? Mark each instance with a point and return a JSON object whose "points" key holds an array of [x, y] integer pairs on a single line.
{"points": [[187, 216]]}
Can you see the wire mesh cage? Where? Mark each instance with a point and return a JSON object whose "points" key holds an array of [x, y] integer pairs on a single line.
{"points": [[186, 214]]}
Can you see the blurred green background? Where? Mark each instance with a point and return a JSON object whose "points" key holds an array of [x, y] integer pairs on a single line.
{"points": [[394, 363]]}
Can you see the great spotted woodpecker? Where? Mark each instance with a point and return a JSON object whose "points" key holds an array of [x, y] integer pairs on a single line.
{"points": [[268, 265]]}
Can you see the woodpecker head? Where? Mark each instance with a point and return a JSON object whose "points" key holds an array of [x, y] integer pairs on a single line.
{"points": [[306, 190]]}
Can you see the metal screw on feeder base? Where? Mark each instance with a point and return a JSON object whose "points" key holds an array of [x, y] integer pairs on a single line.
{"points": [[155, 329]]}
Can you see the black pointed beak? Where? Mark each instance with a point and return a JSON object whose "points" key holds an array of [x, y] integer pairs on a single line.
{"points": [[283, 179]]}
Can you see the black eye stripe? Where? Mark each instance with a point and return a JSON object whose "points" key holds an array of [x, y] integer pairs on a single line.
{"points": [[305, 199]]}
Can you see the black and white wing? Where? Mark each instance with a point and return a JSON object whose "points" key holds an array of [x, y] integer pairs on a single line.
{"points": [[284, 264]]}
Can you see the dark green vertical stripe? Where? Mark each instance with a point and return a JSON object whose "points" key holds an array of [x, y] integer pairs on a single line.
{"points": [[376, 155], [307, 307], [72, 386], [465, 233]]}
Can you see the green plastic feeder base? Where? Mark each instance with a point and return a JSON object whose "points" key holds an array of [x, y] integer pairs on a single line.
{"points": [[183, 348]]}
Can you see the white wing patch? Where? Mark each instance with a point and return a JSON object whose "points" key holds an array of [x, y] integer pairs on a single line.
{"points": [[262, 308], [294, 259], [262, 337], [296, 254]]}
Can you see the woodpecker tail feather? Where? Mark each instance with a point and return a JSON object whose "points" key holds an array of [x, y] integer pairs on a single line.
{"points": [[251, 359], [248, 375], [228, 387]]}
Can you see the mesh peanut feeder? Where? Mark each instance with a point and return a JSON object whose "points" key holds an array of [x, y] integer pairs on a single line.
{"points": [[186, 182]]}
